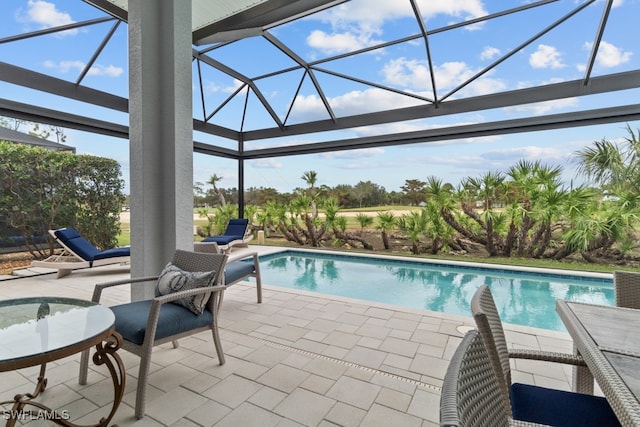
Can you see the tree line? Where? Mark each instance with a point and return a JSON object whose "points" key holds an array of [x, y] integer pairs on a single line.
{"points": [[525, 211]]}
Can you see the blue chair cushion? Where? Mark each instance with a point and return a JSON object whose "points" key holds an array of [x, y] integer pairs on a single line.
{"points": [[560, 408], [113, 253], [78, 244], [131, 320], [237, 270], [84, 249], [237, 227], [222, 240]]}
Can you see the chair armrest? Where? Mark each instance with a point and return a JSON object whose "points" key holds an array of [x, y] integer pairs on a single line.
{"points": [[547, 356], [97, 290]]}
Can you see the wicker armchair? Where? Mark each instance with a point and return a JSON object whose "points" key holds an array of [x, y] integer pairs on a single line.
{"points": [[529, 402], [472, 397], [148, 323], [626, 288], [471, 394]]}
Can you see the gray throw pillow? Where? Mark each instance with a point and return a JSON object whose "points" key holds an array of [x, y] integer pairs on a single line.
{"points": [[173, 279]]}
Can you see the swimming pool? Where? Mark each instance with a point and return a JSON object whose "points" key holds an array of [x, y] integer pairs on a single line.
{"points": [[523, 298]]}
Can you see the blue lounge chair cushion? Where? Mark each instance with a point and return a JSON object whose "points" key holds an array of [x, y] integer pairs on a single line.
{"points": [[131, 320], [113, 253], [85, 250], [237, 270], [560, 408], [222, 240], [78, 244], [237, 227], [236, 230]]}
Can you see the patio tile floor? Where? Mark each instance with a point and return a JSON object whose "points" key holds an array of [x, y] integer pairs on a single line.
{"points": [[297, 359]]}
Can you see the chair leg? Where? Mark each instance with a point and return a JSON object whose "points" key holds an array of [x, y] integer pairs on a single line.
{"points": [[256, 267], [143, 372], [259, 288], [217, 343], [84, 367], [175, 343]]}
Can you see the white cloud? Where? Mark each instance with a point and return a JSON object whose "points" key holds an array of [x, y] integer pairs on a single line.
{"points": [[609, 55], [489, 52], [378, 11], [310, 107], [213, 87], [96, 70], [546, 57], [407, 73], [340, 42], [236, 84], [105, 70], [414, 74], [46, 15], [355, 24]]}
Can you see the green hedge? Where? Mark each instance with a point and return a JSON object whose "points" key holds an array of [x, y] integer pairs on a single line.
{"points": [[43, 189]]}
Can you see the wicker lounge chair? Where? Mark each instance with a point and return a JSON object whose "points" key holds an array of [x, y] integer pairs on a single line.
{"points": [[236, 234], [626, 288], [148, 323], [472, 396], [523, 401], [238, 268], [77, 253]]}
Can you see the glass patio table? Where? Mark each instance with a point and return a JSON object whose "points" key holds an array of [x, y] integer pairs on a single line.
{"points": [[35, 331]]}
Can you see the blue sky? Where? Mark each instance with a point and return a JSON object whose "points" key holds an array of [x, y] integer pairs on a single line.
{"points": [[457, 55]]}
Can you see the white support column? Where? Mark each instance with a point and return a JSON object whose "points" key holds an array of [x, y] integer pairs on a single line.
{"points": [[161, 134]]}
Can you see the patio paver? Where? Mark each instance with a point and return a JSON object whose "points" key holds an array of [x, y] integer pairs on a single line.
{"points": [[296, 359]]}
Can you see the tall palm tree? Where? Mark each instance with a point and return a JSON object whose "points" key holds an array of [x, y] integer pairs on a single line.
{"points": [[614, 166], [311, 177], [489, 190], [213, 181]]}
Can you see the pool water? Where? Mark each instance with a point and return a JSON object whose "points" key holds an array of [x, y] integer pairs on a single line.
{"points": [[523, 298]]}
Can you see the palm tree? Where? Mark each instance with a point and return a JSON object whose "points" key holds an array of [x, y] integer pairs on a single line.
{"points": [[489, 190], [414, 225], [364, 220], [386, 223], [446, 198], [213, 181], [616, 167], [311, 177]]}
